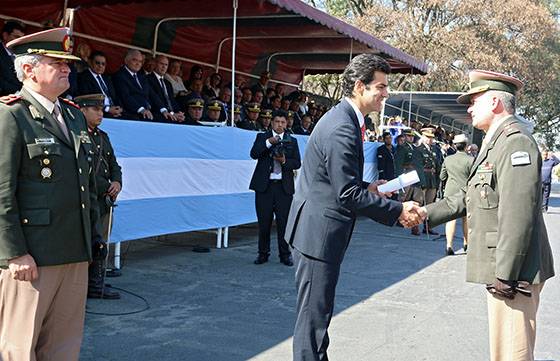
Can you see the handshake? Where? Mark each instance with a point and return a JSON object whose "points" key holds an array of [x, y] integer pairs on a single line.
{"points": [[412, 214]]}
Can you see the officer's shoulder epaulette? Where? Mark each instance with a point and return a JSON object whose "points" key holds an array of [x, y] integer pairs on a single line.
{"points": [[69, 102], [10, 99], [512, 128]]}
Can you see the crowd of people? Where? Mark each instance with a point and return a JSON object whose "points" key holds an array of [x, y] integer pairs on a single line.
{"points": [[157, 89]]}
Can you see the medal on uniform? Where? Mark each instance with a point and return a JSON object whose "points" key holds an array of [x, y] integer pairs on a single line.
{"points": [[46, 172], [46, 161]]}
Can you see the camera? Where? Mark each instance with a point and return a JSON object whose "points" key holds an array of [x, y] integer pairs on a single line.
{"points": [[279, 149]]}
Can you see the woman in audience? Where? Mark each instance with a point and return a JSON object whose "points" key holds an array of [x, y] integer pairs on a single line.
{"points": [[174, 77], [212, 88], [196, 74]]}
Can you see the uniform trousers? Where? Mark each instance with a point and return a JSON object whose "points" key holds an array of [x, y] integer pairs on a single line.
{"points": [[96, 269], [545, 195], [316, 284], [43, 320], [512, 326], [273, 202]]}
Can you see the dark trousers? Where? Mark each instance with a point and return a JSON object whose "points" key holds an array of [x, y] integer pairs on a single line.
{"points": [[96, 269], [316, 283], [545, 195], [273, 201]]}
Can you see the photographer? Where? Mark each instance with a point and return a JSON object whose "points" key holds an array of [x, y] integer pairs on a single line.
{"points": [[108, 179], [273, 182]]}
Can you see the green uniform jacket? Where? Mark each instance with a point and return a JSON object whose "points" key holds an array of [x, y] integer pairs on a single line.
{"points": [[105, 167], [502, 200], [47, 191], [455, 172], [403, 159], [425, 165]]}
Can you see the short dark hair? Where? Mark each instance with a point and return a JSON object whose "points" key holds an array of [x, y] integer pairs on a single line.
{"points": [[387, 134], [11, 25], [97, 53], [363, 68], [461, 146]]}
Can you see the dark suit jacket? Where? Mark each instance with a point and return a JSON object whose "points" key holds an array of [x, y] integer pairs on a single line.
{"points": [[9, 83], [48, 208], [87, 84], [330, 192], [385, 163], [131, 96], [265, 163], [158, 98]]}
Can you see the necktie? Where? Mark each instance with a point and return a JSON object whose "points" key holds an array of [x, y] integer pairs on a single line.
{"points": [[60, 121], [363, 129], [137, 80], [104, 89], [164, 89]]}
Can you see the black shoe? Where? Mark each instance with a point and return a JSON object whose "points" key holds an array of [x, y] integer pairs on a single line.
{"points": [[261, 259], [200, 249], [287, 261], [113, 273], [465, 248], [415, 231], [105, 293], [449, 251]]}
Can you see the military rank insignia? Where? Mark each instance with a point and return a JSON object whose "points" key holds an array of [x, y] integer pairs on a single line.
{"points": [[84, 137]]}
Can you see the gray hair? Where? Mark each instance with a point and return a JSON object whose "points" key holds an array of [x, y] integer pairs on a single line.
{"points": [[507, 99], [131, 52], [20, 61]]}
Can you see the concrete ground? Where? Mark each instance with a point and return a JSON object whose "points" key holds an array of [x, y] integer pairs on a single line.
{"points": [[398, 298]]}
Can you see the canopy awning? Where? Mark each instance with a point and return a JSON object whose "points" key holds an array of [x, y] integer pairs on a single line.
{"points": [[430, 107], [287, 37]]}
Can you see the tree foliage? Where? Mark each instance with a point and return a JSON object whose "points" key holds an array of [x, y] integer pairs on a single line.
{"points": [[518, 37]]}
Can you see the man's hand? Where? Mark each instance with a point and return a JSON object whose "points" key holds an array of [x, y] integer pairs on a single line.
{"points": [[180, 117], [169, 116], [23, 268], [281, 159], [114, 190], [273, 140], [503, 288], [411, 215], [115, 111], [146, 114], [373, 189]]}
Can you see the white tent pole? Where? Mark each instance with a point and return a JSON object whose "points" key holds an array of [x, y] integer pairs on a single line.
{"points": [[233, 49]]}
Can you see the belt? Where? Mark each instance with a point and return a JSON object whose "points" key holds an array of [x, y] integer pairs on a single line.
{"points": [[275, 180]]}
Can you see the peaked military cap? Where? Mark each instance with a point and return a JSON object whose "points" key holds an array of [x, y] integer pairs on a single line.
{"points": [[289, 114], [266, 113], [407, 131], [253, 108], [214, 105], [428, 132], [460, 138], [484, 80], [54, 43], [195, 103], [90, 100], [237, 109]]}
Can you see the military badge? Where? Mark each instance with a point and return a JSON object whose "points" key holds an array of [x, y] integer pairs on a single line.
{"points": [[44, 141], [520, 158], [84, 137], [46, 172]]}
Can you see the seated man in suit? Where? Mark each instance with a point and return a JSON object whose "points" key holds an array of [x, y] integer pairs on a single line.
{"points": [[132, 88], [162, 92], [9, 83], [94, 81], [305, 127], [277, 157]]}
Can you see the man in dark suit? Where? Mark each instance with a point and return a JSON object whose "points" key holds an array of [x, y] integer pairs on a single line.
{"points": [[133, 89], [330, 195], [48, 206], [94, 81], [9, 83], [162, 93], [273, 182], [386, 158]]}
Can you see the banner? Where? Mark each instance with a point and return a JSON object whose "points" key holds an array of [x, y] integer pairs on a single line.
{"points": [[179, 178]]}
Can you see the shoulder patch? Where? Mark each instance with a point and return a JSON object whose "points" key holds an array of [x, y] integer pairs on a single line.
{"points": [[10, 99], [520, 158], [69, 102]]}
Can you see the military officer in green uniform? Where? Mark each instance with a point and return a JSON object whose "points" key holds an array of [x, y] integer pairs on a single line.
{"points": [[108, 179], [406, 160], [454, 173], [429, 179], [509, 250], [48, 206]]}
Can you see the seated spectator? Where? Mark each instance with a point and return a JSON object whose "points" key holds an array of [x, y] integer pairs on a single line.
{"points": [[94, 81], [212, 89], [9, 83], [247, 95], [195, 91], [285, 105], [196, 74], [238, 96], [225, 98], [289, 121], [132, 88], [294, 107], [302, 100], [275, 102], [263, 122], [270, 93], [280, 91], [262, 83], [258, 97], [236, 115], [83, 51], [213, 112], [312, 110], [194, 111], [252, 111], [174, 77], [305, 127], [162, 93], [148, 64]]}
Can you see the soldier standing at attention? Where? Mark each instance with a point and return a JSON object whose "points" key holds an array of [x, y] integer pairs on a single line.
{"points": [[48, 206], [509, 250], [406, 162], [427, 175], [108, 179]]}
